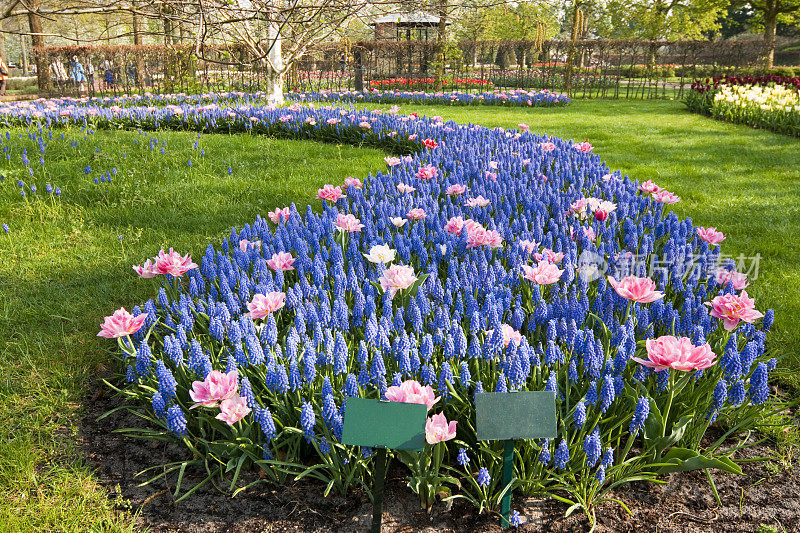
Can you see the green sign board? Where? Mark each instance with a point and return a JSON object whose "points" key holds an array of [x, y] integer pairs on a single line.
{"points": [[516, 415], [380, 424]]}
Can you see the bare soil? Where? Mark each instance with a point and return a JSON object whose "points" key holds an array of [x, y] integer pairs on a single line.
{"points": [[766, 495]]}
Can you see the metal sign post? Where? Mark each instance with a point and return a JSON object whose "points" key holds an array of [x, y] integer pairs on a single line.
{"points": [[511, 416], [383, 425]]}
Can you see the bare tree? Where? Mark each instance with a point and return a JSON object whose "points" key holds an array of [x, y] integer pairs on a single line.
{"points": [[268, 35]]}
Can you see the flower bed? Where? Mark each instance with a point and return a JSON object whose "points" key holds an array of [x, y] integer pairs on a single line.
{"points": [[507, 98], [775, 107], [543, 98], [470, 264], [422, 84]]}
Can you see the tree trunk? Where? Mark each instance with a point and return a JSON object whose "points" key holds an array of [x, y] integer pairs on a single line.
{"points": [[42, 69], [167, 26], [23, 48], [137, 41], [441, 40], [770, 23], [275, 66]]}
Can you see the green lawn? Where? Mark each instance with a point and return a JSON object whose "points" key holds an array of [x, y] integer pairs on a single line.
{"points": [[66, 262]]}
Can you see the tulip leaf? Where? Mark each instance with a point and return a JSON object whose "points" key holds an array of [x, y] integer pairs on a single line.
{"points": [[654, 424], [677, 433], [412, 291], [377, 286], [684, 460]]}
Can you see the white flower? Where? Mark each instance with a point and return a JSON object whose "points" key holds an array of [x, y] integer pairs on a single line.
{"points": [[399, 222], [380, 253]]}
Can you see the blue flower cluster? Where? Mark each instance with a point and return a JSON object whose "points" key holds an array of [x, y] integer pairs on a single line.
{"points": [[517, 97], [473, 323]]}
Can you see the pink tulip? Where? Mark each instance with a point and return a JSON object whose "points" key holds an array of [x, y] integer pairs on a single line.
{"points": [[245, 245], [480, 236], [543, 274], [666, 197], [711, 235], [454, 225], [264, 304], [549, 255], [528, 245], [172, 263], [396, 278], [410, 391], [348, 223], [121, 324], [455, 189], [392, 161], [509, 335], [587, 231], [330, 193], [217, 387], [649, 186], [732, 309], [427, 172], [281, 261], [583, 147], [147, 270], [725, 276], [353, 182], [437, 429], [547, 146], [523, 127], [403, 188], [678, 353], [416, 214], [233, 409], [578, 207], [601, 215], [637, 289], [275, 216]]}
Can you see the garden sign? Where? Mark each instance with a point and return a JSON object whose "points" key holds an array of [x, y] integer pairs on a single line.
{"points": [[383, 425], [510, 416]]}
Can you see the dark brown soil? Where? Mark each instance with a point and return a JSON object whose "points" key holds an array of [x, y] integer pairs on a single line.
{"points": [[767, 495]]}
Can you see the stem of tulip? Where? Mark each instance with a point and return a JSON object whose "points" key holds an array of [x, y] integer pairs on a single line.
{"points": [[669, 402]]}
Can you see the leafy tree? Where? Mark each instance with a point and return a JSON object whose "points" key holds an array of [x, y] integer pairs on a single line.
{"points": [[770, 13], [662, 19]]}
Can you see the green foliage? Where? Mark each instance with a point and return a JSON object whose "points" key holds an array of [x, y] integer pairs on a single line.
{"points": [[659, 19]]}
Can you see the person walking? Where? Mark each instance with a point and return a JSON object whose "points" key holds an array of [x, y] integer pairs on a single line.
{"points": [[78, 74], [107, 66], [4, 72], [90, 74]]}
